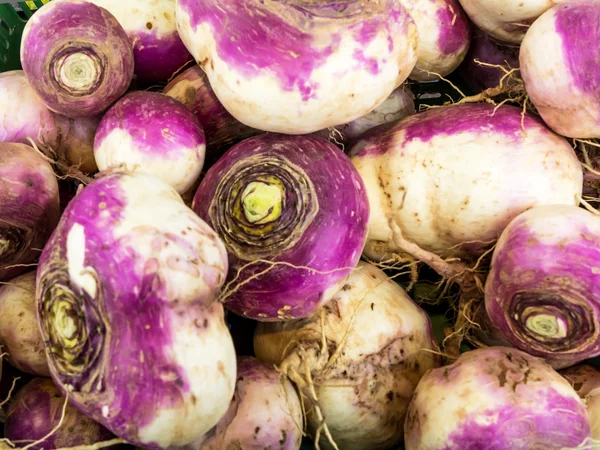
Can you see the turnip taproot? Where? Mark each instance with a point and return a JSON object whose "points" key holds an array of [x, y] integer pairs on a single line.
{"points": [[37, 410], [77, 57], [559, 65], [29, 207], [364, 351], [20, 336], [451, 178], [542, 292], [153, 133], [157, 48], [586, 382], [300, 66], [293, 213], [497, 398], [125, 296]]}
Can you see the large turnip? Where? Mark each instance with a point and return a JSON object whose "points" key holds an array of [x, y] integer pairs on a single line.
{"points": [[299, 66], [125, 296]]}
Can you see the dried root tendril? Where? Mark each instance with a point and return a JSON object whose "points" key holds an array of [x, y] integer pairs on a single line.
{"points": [[587, 444], [69, 171]]}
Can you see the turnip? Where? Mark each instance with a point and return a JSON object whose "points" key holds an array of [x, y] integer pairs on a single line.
{"points": [[77, 57], [150, 25], [37, 410], [506, 20], [451, 178], [444, 37], [359, 358], [125, 297], [586, 382], [265, 413], [24, 116], [488, 61], [29, 207], [542, 290], [299, 66], [222, 130], [561, 76], [398, 105], [292, 212], [154, 133], [20, 336], [495, 398]]}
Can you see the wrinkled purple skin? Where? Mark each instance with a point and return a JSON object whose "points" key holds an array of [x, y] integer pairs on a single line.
{"points": [[29, 207], [252, 43], [62, 28], [534, 414], [243, 426], [330, 242], [36, 410], [222, 130], [560, 276], [113, 358], [583, 378], [490, 51], [145, 116]]}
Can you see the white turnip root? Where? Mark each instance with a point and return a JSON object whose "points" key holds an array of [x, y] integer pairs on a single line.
{"points": [[20, 336], [365, 350], [586, 382], [559, 65], [451, 178]]}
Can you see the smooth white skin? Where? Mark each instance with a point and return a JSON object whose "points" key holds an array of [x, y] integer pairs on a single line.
{"points": [[592, 403], [180, 168], [451, 402], [261, 103], [372, 298], [20, 336], [431, 58], [492, 15], [548, 82], [206, 355], [465, 187]]}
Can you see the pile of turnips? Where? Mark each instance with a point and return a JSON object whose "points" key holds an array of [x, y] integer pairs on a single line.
{"points": [[218, 219]]}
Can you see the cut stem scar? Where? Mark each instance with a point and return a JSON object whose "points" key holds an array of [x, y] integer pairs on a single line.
{"points": [[262, 201], [546, 325]]}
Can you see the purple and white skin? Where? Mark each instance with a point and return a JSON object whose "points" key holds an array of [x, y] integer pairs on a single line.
{"points": [[24, 116], [222, 130], [542, 289], [36, 410], [398, 105], [292, 212], [77, 57], [506, 20], [586, 382], [444, 37], [153, 133], [364, 391], [498, 398], [451, 178], [29, 207], [20, 336], [265, 413], [562, 76], [157, 48], [125, 301], [487, 50], [299, 66]]}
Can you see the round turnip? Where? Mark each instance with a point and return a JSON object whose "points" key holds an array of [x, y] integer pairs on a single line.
{"points": [[153, 133], [451, 178], [20, 336], [125, 298], [542, 290], [37, 410], [378, 344], [292, 212], [496, 398], [29, 207], [327, 64], [77, 57], [561, 76]]}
